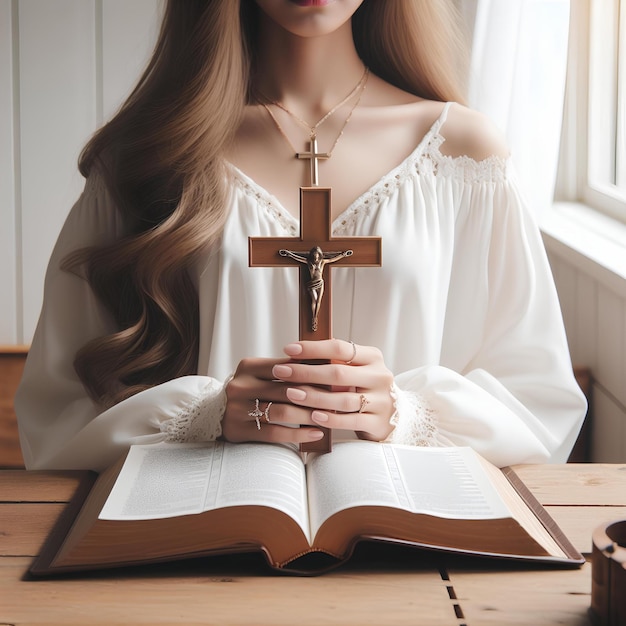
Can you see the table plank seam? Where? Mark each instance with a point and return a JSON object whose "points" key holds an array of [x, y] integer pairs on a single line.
{"points": [[456, 606], [32, 502]]}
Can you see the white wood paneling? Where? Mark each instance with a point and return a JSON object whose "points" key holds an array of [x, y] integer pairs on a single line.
{"points": [[566, 276], [11, 301], [610, 369], [586, 307], [595, 318], [129, 30], [608, 437], [65, 66], [57, 113]]}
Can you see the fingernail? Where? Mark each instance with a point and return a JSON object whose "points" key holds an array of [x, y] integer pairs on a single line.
{"points": [[296, 395], [315, 435], [293, 349], [318, 417], [282, 371]]}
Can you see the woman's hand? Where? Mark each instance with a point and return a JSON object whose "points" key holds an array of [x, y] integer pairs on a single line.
{"points": [[353, 392], [257, 408]]}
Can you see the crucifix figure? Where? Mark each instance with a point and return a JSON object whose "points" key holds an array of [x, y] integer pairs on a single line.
{"points": [[316, 260], [315, 233]]}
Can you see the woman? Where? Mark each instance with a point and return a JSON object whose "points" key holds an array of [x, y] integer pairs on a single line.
{"points": [[155, 329]]}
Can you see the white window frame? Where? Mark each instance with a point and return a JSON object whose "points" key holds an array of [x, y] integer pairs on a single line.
{"points": [[593, 152]]}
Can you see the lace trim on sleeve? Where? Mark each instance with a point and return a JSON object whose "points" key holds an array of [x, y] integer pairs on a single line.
{"points": [[201, 419], [493, 169], [414, 421]]}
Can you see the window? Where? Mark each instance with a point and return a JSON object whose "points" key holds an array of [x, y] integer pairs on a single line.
{"points": [[593, 167]]}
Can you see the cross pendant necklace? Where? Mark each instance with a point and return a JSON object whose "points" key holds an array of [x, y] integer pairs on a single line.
{"points": [[313, 156]]}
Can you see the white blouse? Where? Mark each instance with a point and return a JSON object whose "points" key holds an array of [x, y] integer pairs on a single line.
{"points": [[464, 310]]}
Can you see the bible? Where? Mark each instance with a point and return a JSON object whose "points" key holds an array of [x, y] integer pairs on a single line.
{"points": [[177, 501]]}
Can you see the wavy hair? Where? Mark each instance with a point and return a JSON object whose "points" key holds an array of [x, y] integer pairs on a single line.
{"points": [[161, 158]]}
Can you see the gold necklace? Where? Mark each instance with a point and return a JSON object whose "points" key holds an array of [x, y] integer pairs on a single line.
{"points": [[313, 155]]}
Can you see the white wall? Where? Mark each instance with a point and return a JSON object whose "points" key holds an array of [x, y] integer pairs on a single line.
{"points": [[65, 65], [593, 299]]}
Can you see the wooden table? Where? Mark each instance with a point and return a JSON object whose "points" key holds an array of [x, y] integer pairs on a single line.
{"points": [[378, 587]]}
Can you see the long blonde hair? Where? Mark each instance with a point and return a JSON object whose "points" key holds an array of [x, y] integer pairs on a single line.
{"points": [[161, 157]]}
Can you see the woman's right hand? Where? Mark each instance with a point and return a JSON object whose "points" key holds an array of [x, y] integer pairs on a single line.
{"points": [[273, 418]]}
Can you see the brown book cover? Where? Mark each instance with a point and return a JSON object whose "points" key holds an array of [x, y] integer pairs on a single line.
{"points": [[306, 513]]}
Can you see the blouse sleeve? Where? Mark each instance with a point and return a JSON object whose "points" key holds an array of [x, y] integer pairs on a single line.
{"points": [[60, 426], [509, 391]]}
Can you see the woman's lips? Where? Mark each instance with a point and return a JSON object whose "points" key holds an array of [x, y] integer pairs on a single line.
{"points": [[311, 3]]}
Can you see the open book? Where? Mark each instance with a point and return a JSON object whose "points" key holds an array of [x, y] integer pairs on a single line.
{"points": [[173, 501]]}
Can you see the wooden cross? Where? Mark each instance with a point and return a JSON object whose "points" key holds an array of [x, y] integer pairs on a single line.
{"points": [[314, 156], [315, 230]]}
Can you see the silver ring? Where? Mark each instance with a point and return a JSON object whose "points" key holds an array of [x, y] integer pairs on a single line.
{"points": [[364, 403], [256, 413], [353, 353], [266, 413]]}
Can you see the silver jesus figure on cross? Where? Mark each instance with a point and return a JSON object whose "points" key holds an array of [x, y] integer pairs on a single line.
{"points": [[315, 260]]}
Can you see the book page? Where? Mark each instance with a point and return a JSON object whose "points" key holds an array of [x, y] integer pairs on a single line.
{"points": [[168, 480], [447, 482], [265, 474], [161, 481], [444, 482]]}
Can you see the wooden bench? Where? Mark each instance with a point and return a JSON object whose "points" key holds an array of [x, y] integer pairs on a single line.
{"points": [[12, 360]]}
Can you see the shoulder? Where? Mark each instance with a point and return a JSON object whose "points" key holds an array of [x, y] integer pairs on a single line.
{"points": [[472, 134], [466, 132], [94, 219]]}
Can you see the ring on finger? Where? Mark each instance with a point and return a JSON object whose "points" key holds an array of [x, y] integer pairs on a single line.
{"points": [[256, 413], [364, 403], [266, 413], [348, 362]]}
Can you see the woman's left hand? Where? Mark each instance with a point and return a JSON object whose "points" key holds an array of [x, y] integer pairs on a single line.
{"points": [[352, 392]]}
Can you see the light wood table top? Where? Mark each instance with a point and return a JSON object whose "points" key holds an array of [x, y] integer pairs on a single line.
{"points": [[380, 586]]}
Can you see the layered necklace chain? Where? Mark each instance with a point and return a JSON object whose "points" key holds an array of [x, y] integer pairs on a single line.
{"points": [[313, 155]]}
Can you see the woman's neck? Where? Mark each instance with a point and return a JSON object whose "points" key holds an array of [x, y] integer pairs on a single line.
{"points": [[307, 75]]}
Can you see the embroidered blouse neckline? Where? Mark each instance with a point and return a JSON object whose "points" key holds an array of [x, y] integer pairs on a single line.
{"points": [[425, 158]]}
